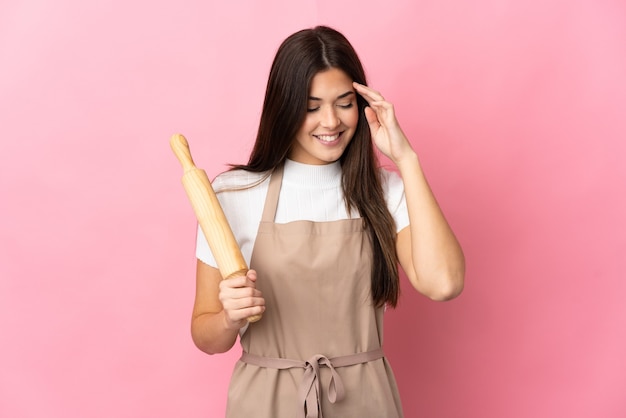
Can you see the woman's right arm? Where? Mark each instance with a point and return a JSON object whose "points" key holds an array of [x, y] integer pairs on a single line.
{"points": [[221, 308]]}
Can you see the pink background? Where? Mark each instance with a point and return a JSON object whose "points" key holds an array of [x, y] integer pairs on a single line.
{"points": [[516, 108]]}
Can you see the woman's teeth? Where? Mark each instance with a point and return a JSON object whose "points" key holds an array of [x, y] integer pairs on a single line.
{"points": [[327, 138]]}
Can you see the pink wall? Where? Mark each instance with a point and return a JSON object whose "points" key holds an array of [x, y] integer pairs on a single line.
{"points": [[516, 107]]}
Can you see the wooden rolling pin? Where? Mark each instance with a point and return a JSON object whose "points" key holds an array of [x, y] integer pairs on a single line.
{"points": [[210, 215]]}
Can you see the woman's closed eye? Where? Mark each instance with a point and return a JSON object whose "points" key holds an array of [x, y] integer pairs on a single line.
{"points": [[341, 106]]}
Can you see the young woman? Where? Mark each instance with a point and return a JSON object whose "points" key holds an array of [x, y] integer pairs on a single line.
{"points": [[323, 229]]}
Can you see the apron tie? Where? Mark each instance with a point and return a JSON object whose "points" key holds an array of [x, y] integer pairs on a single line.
{"points": [[309, 392]]}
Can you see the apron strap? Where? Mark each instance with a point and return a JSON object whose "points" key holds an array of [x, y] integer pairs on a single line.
{"points": [[271, 200]]}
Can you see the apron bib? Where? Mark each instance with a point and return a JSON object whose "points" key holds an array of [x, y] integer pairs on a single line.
{"points": [[317, 349]]}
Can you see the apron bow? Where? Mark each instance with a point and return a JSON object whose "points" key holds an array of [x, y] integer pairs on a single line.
{"points": [[310, 387]]}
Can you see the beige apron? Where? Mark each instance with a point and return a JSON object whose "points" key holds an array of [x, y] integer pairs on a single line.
{"points": [[317, 350]]}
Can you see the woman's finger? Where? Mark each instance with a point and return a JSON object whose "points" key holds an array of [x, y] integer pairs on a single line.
{"points": [[368, 94]]}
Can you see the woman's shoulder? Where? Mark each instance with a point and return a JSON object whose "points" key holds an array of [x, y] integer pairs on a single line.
{"points": [[390, 180], [393, 187]]}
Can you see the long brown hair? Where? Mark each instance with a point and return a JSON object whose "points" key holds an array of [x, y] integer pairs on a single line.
{"points": [[298, 59]]}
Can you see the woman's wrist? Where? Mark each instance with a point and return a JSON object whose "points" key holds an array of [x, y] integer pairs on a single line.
{"points": [[408, 161]]}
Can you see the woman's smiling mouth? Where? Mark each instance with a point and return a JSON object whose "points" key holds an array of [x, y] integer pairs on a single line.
{"points": [[329, 138]]}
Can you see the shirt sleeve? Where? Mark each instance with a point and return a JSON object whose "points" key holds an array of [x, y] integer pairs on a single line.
{"points": [[396, 201], [242, 197], [203, 252]]}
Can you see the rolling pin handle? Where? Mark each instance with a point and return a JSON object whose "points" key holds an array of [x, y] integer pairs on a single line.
{"points": [[180, 146]]}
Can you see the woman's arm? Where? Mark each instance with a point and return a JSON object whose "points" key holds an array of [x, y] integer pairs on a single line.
{"points": [[428, 251], [221, 308]]}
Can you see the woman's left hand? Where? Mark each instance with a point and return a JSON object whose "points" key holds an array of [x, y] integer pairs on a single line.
{"points": [[386, 132]]}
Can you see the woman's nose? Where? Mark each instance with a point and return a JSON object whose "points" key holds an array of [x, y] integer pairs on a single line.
{"points": [[329, 118]]}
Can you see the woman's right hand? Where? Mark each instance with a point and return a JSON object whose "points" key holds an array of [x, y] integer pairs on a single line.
{"points": [[240, 299]]}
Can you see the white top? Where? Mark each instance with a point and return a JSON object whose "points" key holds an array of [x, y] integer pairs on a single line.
{"points": [[308, 192]]}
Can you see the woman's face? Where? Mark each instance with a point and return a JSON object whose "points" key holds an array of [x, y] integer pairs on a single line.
{"points": [[331, 119]]}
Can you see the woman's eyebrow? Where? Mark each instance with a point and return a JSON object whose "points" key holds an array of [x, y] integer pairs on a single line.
{"points": [[341, 96]]}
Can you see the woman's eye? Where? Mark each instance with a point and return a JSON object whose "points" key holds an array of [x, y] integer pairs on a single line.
{"points": [[341, 106]]}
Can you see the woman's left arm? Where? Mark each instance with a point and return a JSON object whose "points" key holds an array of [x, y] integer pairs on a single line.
{"points": [[428, 251]]}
